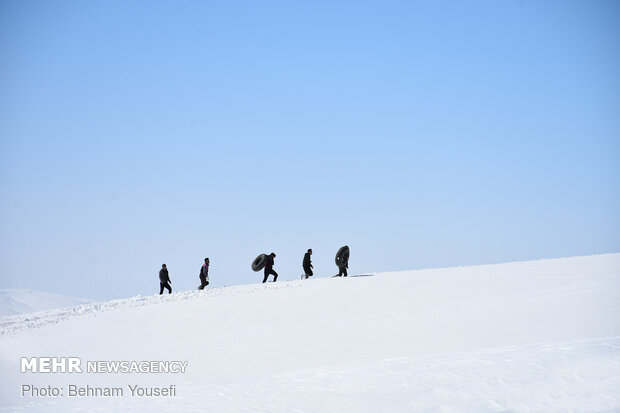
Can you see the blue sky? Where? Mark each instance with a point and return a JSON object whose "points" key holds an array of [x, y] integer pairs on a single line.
{"points": [[420, 134]]}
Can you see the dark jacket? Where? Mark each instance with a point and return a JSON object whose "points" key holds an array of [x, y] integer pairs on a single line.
{"points": [[307, 263], [163, 276], [269, 264], [204, 271]]}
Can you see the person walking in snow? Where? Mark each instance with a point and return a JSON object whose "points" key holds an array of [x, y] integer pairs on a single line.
{"points": [[342, 261], [269, 268], [307, 264], [164, 280], [204, 275]]}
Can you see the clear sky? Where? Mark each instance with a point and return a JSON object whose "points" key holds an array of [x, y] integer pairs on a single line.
{"points": [[421, 134]]}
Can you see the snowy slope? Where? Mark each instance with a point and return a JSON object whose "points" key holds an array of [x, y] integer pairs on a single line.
{"points": [[530, 336], [16, 301]]}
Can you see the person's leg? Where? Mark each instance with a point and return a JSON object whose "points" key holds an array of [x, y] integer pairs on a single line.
{"points": [[169, 288], [275, 275], [266, 276], [161, 288]]}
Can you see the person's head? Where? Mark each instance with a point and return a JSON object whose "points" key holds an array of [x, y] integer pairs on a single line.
{"points": [[163, 265], [273, 254], [310, 251], [207, 260]]}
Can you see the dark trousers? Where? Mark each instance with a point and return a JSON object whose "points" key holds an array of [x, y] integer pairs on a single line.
{"points": [[270, 271], [342, 271], [203, 282], [164, 285], [308, 272]]}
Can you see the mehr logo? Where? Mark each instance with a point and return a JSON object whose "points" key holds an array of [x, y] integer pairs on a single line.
{"points": [[74, 365], [51, 365]]}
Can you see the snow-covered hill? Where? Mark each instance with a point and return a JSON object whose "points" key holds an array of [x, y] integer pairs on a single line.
{"points": [[16, 301], [540, 336]]}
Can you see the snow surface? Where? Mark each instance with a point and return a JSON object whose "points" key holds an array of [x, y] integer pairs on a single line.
{"points": [[16, 301], [539, 336]]}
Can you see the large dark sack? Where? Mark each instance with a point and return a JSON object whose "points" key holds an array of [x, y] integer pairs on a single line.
{"points": [[342, 257]]}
